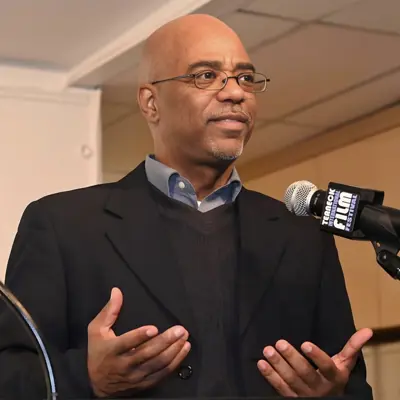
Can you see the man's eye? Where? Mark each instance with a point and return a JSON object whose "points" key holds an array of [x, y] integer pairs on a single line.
{"points": [[247, 78], [207, 75]]}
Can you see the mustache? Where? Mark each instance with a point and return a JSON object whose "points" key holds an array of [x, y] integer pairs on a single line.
{"points": [[236, 111]]}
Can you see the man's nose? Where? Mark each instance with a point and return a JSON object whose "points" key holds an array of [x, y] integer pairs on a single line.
{"points": [[232, 91]]}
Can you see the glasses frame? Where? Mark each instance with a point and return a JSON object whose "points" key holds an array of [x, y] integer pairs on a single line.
{"points": [[225, 81]]}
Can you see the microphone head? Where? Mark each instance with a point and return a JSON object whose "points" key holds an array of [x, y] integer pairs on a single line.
{"points": [[298, 196]]}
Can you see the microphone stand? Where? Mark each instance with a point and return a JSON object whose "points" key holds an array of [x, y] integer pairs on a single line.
{"points": [[387, 258], [380, 226], [385, 236], [33, 331]]}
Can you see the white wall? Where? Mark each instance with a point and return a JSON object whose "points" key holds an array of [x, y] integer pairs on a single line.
{"points": [[49, 142]]}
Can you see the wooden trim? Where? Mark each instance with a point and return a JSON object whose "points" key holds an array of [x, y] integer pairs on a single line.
{"points": [[360, 129], [385, 335]]}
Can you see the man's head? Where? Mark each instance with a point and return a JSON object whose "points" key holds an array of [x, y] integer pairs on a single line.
{"points": [[188, 123]]}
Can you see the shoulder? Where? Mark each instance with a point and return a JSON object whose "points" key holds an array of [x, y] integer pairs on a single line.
{"points": [[271, 207], [67, 207], [76, 198], [91, 198], [304, 233], [84, 203]]}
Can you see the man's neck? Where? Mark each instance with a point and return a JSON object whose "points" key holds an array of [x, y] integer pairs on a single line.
{"points": [[204, 178]]}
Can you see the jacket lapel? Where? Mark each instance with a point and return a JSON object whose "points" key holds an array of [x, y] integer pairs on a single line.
{"points": [[263, 237], [137, 235]]}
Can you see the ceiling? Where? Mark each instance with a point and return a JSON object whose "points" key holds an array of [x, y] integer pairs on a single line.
{"points": [[330, 62], [59, 34], [79, 43]]}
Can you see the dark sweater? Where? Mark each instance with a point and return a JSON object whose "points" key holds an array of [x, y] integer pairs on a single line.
{"points": [[205, 245]]}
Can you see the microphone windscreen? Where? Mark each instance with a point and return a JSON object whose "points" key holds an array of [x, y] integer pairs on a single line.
{"points": [[297, 197]]}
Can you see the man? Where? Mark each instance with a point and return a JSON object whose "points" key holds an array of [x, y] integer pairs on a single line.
{"points": [[215, 290]]}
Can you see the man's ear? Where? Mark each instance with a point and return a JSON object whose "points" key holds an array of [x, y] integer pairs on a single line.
{"points": [[146, 98]]}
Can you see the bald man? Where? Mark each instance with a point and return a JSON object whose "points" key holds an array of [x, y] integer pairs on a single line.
{"points": [[177, 281]]}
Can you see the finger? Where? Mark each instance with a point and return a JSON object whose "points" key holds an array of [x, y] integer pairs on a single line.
{"points": [[275, 380], [349, 353], [299, 364], [285, 371], [106, 318], [157, 345], [128, 341], [160, 361], [155, 377], [326, 366]]}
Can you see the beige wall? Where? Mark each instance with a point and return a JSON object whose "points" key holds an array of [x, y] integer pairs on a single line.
{"points": [[375, 163]]}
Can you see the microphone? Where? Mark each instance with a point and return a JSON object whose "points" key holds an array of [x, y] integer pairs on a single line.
{"points": [[353, 213]]}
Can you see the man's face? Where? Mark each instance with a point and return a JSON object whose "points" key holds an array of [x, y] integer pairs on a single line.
{"points": [[204, 125]]}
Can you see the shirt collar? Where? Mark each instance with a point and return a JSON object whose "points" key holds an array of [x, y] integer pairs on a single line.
{"points": [[160, 175]]}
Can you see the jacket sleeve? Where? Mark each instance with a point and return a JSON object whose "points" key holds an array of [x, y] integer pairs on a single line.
{"points": [[36, 276], [334, 321]]}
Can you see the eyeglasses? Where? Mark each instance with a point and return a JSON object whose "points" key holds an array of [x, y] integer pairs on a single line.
{"points": [[252, 82]]}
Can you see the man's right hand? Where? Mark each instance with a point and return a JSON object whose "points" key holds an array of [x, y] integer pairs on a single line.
{"points": [[135, 360]]}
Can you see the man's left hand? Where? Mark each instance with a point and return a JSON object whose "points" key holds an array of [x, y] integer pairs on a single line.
{"points": [[292, 375]]}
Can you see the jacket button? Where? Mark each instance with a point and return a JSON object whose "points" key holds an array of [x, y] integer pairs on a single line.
{"points": [[185, 372]]}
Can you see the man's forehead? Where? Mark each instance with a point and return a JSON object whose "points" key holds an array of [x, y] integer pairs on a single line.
{"points": [[220, 57], [223, 64], [198, 44], [208, 44], [177, 45]]}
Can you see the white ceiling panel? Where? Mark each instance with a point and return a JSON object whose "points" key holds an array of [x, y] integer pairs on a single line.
{"points": [[381, 15], [303, 10], [353, 104], [128, 76], [63, 33], [317, 62], [255, 29], [220, 8], [272, 138]]}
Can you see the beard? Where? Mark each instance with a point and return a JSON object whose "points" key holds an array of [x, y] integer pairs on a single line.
{"points": [[227, 154]]}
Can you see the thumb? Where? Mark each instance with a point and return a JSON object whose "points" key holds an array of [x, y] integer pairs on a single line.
{"points": [[349, 353], [109, 314]]}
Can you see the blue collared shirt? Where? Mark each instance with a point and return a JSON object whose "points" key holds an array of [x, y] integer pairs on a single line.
{"points": [[175, 186]]}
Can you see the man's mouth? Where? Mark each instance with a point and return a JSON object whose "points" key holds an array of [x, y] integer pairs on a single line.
{"points": [[231, 121], [230, 124], [231, 117]]}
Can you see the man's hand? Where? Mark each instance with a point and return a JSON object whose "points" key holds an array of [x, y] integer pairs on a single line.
{"points": [[292, 375], [134, 361]]}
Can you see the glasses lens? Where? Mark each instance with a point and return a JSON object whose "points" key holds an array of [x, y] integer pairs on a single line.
{"points": [[216, 80], [210, 80], [253, 82]]}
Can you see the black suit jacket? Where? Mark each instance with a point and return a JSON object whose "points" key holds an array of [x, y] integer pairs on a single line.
{"points": [[72, 248]]}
